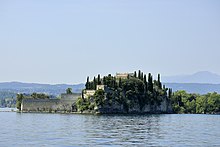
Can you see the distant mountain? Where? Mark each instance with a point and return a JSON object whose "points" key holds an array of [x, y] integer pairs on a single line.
{"points": [[194, 87], [199, 77], [196, 83], [18, 87]]}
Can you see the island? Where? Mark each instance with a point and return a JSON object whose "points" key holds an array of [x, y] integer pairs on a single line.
{"points": [[123, 93]]}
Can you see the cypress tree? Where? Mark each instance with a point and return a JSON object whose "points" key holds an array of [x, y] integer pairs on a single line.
{"points": [[150, 82], [164, 87], [94, 83], [104, 80], [87, 83], [169, 93], [139, 74], [119, 83], [99, 79], [135, 74], [145, 79], [142, 76], [158, 81], [115, 83]]}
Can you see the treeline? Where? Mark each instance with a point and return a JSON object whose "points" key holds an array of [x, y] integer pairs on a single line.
{"points": [[8, 102], [7, 99], [183, 102], [111, 82], [137, 88]]}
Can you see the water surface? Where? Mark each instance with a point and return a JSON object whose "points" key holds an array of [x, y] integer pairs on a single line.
{"points": [[35, 129]]}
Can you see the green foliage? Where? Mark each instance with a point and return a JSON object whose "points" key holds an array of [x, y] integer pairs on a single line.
{"points": [[135, 74], [135, 90], [99, 79], [183, 102], [99, 97], [87, 83], [39, 95], [69, 91], [19, 101], [150, 82], [83, 104]]}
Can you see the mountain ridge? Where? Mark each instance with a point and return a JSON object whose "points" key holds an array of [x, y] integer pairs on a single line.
{"points": [[202, 77], [200, 82]]}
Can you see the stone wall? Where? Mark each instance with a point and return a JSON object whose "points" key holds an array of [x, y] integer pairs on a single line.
{"points": [[65, 104]]}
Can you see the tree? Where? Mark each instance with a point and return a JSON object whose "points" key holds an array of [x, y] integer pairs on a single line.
{"points": [[94, 83], [99, 97], [99, 79], [34, 95], [150, 82], [201, 104], [135, 74], [119, 83], [69, 91], [142, 76], [159, 82], [169, 92], [139, 74], [19, 101], [145, 79], [87, 83], [104, 80]]}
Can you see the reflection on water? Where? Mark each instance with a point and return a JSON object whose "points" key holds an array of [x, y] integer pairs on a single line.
{"points": [[88, 130]]}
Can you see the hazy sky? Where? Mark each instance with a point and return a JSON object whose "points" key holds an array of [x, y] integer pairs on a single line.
{"points": [[63, 41]]}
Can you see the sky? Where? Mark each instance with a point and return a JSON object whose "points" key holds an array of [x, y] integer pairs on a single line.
{"points": [[64, 41]]}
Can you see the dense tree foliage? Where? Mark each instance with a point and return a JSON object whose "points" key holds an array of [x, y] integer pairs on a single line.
{"points": [[19, 101], [135, 89], [38, 95], [69, 91], [183, 102]]}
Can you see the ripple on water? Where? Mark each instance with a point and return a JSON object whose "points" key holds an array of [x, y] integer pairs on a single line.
{"points": [[115, 130]]}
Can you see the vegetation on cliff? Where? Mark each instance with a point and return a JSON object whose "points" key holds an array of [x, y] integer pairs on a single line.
{"points": [[134, 90], [183, 102]]}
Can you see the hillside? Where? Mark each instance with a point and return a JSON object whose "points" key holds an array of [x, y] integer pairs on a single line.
{"points": [[194, 87], [10, 89], [18, 87], [199, 77]]}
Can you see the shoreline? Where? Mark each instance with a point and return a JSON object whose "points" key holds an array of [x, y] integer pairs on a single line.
{"points": [[98, 113]]}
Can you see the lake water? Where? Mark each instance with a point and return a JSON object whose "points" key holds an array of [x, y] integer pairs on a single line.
{"points": [[66, 130]]}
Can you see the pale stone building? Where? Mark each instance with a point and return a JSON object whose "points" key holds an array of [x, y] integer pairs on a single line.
{"points": [[88, 93], [123, 75]]}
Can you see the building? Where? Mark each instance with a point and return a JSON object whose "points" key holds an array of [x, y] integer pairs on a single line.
{"points": [[123, 75], [88, 93]]}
